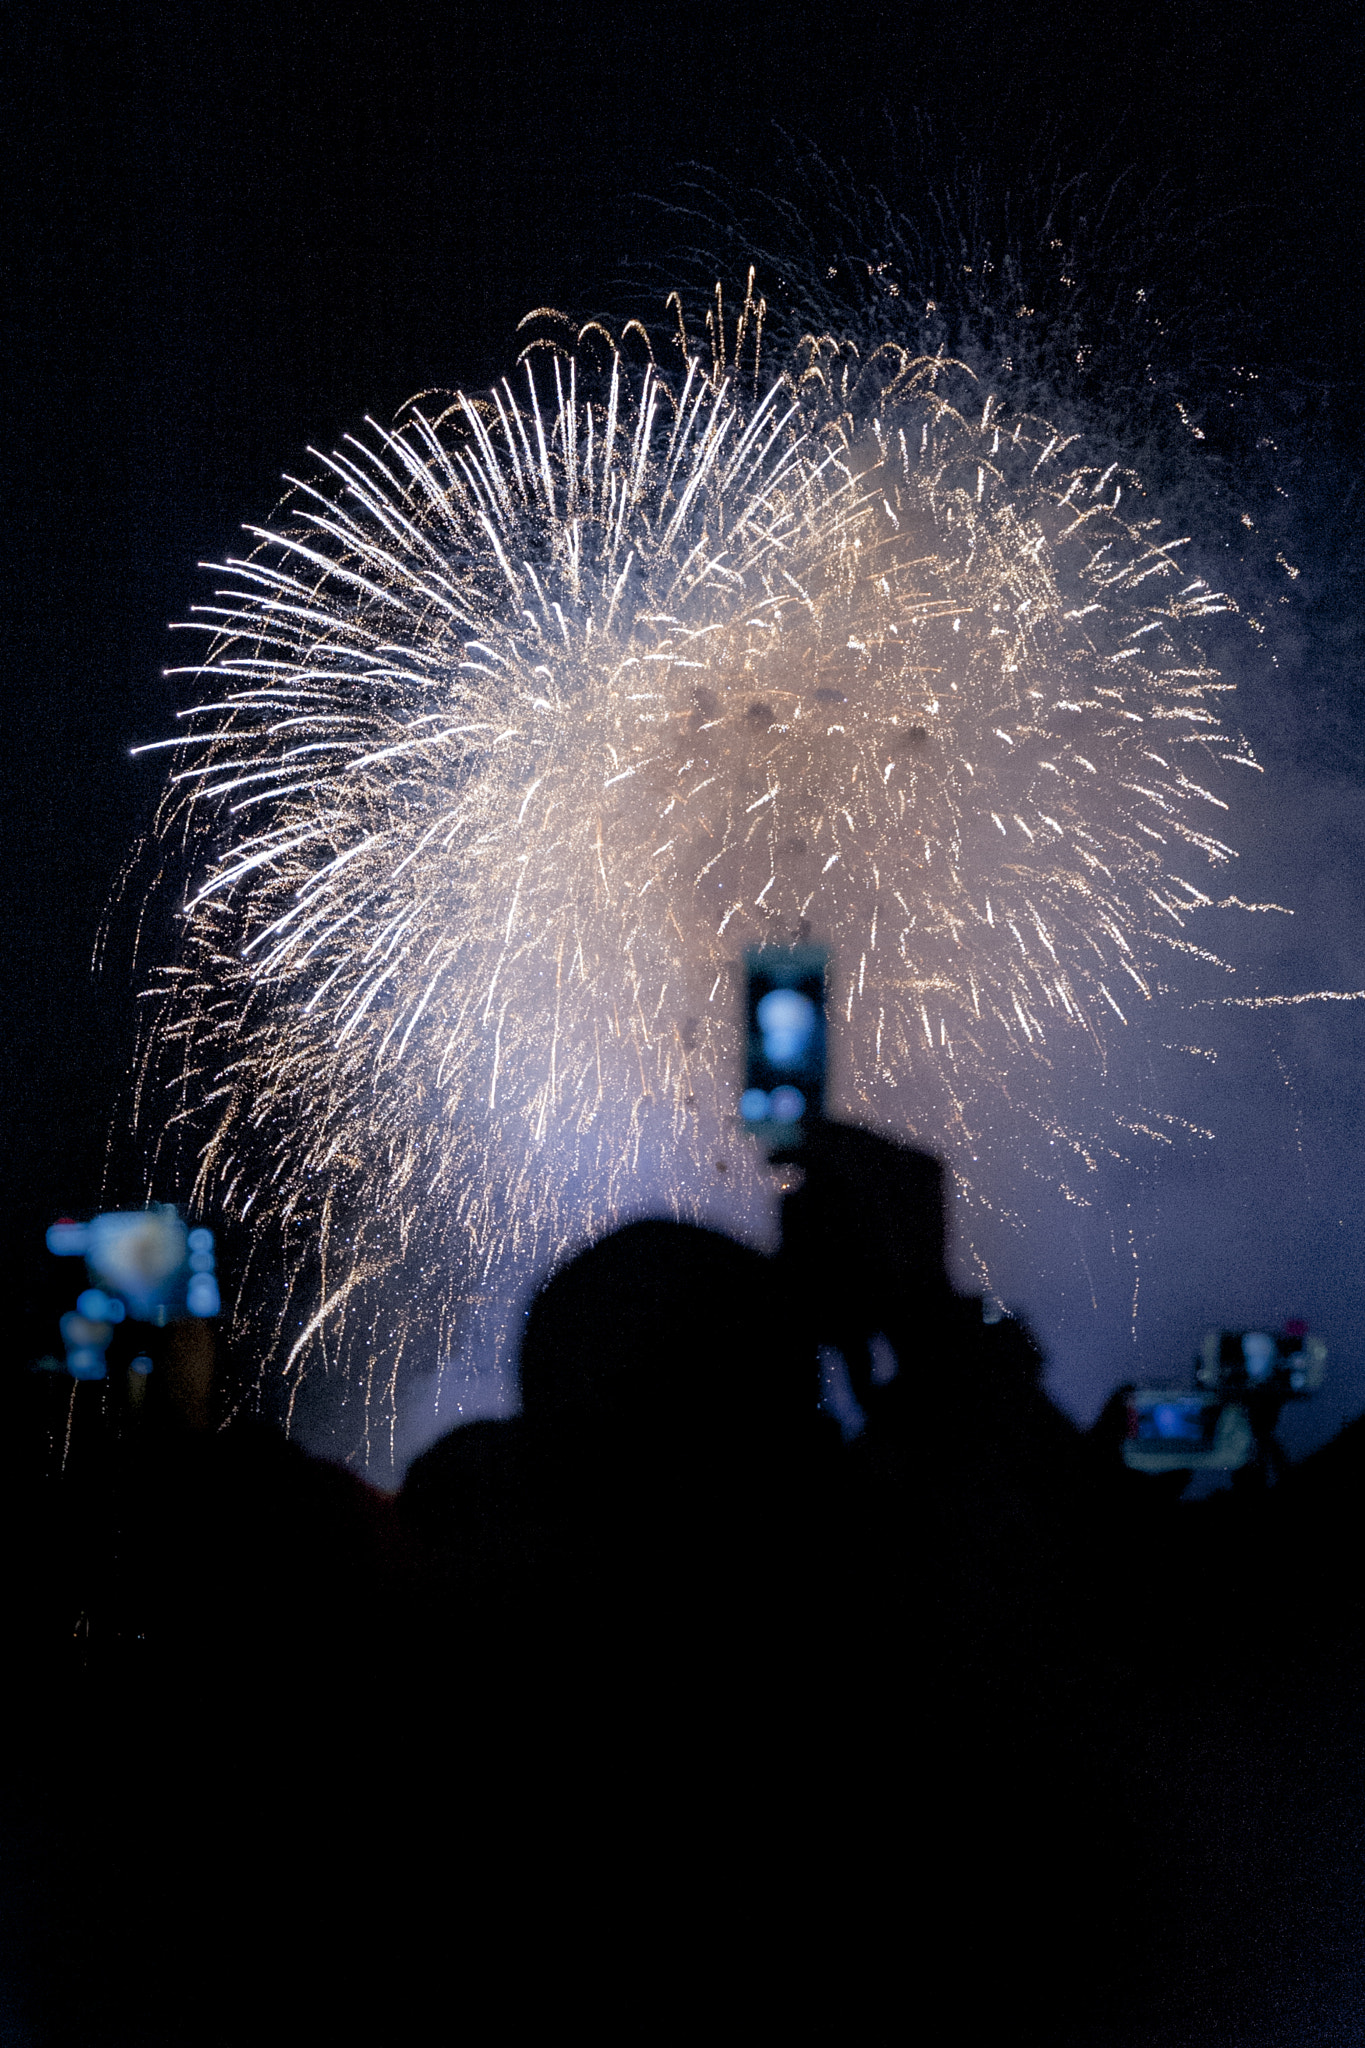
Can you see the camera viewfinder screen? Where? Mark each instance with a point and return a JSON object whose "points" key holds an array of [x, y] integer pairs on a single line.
{"points": [[1176, 1422]]}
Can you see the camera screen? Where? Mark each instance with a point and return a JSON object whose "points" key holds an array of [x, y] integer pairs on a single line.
{"points": [[1175, 1422], [784, 1075]]}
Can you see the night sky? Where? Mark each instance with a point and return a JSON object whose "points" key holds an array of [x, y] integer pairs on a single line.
{"points": [[236, 232]]}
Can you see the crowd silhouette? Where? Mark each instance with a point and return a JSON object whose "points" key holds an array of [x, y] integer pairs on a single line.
{"points": [[678, 1706]]}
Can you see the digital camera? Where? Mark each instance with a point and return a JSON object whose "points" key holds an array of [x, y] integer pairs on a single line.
{"points": [[1170, 1429]]}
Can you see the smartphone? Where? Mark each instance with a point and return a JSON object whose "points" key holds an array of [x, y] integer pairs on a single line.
{"points": [[144, 1263], [1170, 1429], [784, 1040]]}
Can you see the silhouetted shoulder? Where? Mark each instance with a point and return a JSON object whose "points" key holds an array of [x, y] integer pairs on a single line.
{"points": [[460, 1479]]}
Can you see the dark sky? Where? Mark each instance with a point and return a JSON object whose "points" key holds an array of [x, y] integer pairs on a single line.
{"points": [[236, 231]]}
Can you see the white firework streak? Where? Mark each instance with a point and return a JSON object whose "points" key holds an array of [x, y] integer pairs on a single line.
{"points": [[535, 710]]}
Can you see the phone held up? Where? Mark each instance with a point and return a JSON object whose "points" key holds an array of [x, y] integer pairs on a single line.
{"points": [[784, 1055], [146, 1266]]}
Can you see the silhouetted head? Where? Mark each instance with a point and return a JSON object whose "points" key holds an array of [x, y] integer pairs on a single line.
{"points": [[660, 1319]]}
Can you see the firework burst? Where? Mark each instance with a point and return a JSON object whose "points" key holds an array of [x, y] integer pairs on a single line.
{"points": [[531, 712]]}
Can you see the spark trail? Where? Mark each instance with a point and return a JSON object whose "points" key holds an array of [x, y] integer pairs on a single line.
{"points": [[532, 711]]}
